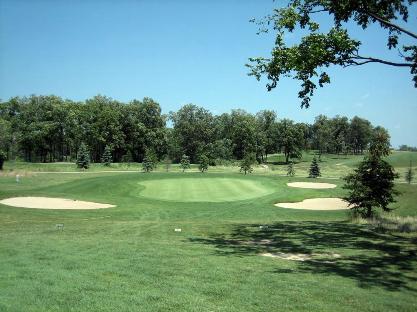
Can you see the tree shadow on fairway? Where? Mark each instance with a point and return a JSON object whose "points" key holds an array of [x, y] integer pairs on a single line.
{"points": [[370, 258]]}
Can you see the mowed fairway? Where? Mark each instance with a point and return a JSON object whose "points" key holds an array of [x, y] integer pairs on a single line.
{"points": [[205, 189], [129, 258]]}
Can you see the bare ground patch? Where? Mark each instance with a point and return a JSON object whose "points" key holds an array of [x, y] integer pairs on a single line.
{"points": [[302, 257]]}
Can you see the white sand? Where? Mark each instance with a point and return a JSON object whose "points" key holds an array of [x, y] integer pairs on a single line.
{"points": [[312, 185], [51, 203], [317, 204]]}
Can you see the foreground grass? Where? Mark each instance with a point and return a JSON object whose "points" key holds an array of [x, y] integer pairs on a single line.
{"points": [[129, 258]]}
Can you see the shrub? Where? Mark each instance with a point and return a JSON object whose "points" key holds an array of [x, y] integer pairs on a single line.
{"points": [[185, 162], [247, 162], [204, 163]]}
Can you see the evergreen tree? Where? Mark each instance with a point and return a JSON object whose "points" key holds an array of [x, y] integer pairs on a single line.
{"points": [[185, 162], [409, 175], [247, 162], [314, 169], [83, 157], [2, 159], [149, 161], [371, 185], [107, 159], [204, 163], [290, 169]]}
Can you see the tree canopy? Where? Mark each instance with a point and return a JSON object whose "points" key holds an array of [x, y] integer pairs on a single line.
{"points": [[320, 48], [48, 129]]}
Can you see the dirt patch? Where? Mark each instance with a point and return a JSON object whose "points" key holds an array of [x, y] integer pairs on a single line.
{"points": [[312, 185], [52, 203], [317, 204], [288, 256], [301, 256]]}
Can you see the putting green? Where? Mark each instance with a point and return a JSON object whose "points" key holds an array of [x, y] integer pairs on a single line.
{"points": [[205, 189]]}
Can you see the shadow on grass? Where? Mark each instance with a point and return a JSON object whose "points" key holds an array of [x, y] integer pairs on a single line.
{"points": [[370, 258]]}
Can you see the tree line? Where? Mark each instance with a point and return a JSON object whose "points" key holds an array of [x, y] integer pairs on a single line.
{"points": [[49, 128]]}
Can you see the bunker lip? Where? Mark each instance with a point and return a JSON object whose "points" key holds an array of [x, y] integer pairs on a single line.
{"points": [[312, 185], [52, 203], [317, 204]]}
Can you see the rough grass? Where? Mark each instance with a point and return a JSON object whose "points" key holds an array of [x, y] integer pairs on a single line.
{"points": [[391, 223], [129, 258]]}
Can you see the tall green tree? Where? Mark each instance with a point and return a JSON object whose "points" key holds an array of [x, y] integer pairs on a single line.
{"points": [[380, 143], [101, 117], [322, 134], [290, 139], [266, 121], [360, 132], [194, 129], [241, 128], [319, 47], [371, 185], [339, 134]]}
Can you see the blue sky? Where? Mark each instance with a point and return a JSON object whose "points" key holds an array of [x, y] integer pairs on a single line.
{"points": [[184, 51]]}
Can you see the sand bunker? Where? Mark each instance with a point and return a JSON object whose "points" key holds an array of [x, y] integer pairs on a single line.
{"points": [[312, 185], [52, 203], [317, 204]]}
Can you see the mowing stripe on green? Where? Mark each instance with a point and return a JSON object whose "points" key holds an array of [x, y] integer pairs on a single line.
{"points": [[205, 190]]}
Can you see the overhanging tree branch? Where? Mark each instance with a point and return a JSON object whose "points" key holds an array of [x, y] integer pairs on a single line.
{"points": [[392, 25], [367, 60]]}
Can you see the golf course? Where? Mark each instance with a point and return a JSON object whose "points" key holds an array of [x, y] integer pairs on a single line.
{"points": [[236, 250], [208, 156]]}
